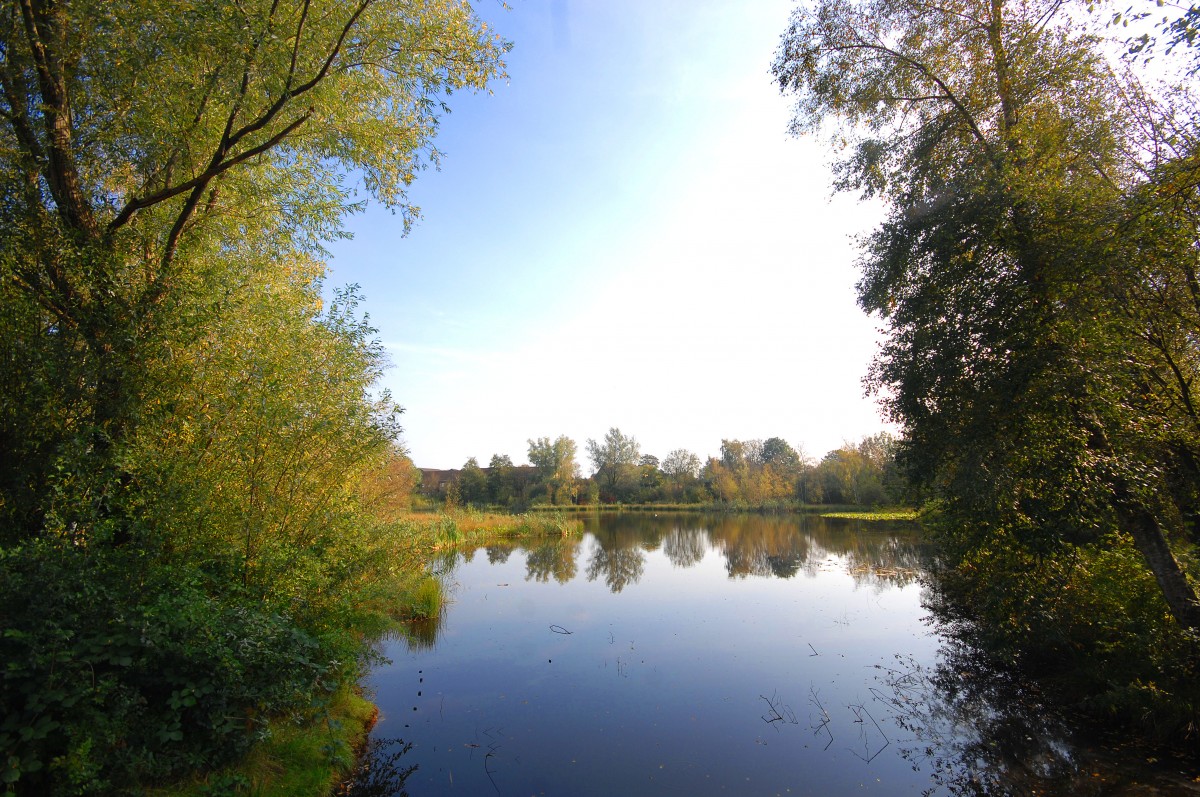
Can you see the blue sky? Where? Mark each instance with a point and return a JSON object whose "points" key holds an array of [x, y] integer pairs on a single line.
{"points": [[622, 234]]}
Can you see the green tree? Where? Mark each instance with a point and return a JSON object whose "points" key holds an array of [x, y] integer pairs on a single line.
{"points": [[186, 426], [614, 458], [681, 464], [649, 479], [777, 453], [387, 492], [472, 484], [1006, 268], [556, 468], [154, 162], [849, 475], [500, 480]]}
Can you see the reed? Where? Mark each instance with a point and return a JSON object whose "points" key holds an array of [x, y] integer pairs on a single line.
{"points": [[882, 514]]}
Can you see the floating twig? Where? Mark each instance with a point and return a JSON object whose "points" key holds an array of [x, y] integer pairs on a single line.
{"points": [[491, 752], [558, 629], [859, 710], [779, 711], [823, 725], [814, 651]]}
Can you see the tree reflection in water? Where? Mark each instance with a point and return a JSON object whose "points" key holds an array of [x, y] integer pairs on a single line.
{"points": [[421, 633], [620, 567], [880, 555], [685, 547], [979, 730], [966, 727], [498, 554], [554, 557]]}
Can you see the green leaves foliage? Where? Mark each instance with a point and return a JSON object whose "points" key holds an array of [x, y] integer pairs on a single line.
{"points": [[159, 159], [185, 425], [1040, 304], [118, 673]]}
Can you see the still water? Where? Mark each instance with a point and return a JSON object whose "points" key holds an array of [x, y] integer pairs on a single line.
{"points": [[708, 655]]}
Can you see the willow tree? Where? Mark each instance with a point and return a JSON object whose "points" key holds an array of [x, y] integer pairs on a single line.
{"points": [[156, 158], [1020, 362]]}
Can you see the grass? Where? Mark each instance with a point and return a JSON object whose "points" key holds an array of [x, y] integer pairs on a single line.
{"points": [[467, 528], [425, 602], [878, 514], [309, 758]]}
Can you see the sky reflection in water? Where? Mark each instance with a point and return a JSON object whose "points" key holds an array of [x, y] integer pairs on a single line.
{"points": [[694, 655]]}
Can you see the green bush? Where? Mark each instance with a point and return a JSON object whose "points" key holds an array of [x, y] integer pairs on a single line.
{"points": [[1087, 620], [117, 675]]}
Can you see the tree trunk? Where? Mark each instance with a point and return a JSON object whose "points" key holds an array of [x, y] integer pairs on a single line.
{"points": [[1149, 538]]}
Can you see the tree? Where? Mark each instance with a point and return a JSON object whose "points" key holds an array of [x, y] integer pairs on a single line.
{"points": [[681, 464], [850, 475], [154, 162], [1183, 30], [186, 419], [681, 468], [649, 479], [614, 458], [779, 455], [472, 484], [387, 493], [500, 480], [721, 482], [739, 455], [555, 465], [1022, 375]]}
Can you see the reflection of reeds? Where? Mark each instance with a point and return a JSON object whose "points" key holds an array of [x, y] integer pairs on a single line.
{"points": [[379, 772], [422, 633], [898, 574]]}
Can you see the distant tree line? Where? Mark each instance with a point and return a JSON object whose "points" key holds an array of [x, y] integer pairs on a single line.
{"points": [[746, 473]]}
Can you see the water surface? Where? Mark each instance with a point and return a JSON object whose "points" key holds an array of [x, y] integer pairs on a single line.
{"points": [[706, 655]]}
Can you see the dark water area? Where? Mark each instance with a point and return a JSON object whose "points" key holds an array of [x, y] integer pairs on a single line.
{"points": [[714, 655]]}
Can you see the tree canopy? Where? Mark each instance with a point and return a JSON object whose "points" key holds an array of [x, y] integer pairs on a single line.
{"points": [[195, 461], [1037, 276], [613, 457], [156, 159]]}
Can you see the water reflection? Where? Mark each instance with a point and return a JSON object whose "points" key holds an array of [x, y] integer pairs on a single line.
{"points": [[685, 547], [421, 633], [497, 554], [978, 730], [746, 655], [768, 546], [758, 546], [380, 771], [619, 567], [554, 558]]}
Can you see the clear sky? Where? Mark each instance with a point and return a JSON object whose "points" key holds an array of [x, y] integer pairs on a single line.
{"points": [[622, 234]]}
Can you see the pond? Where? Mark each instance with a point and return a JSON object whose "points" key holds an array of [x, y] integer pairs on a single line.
{"points": [[711, 655]]}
